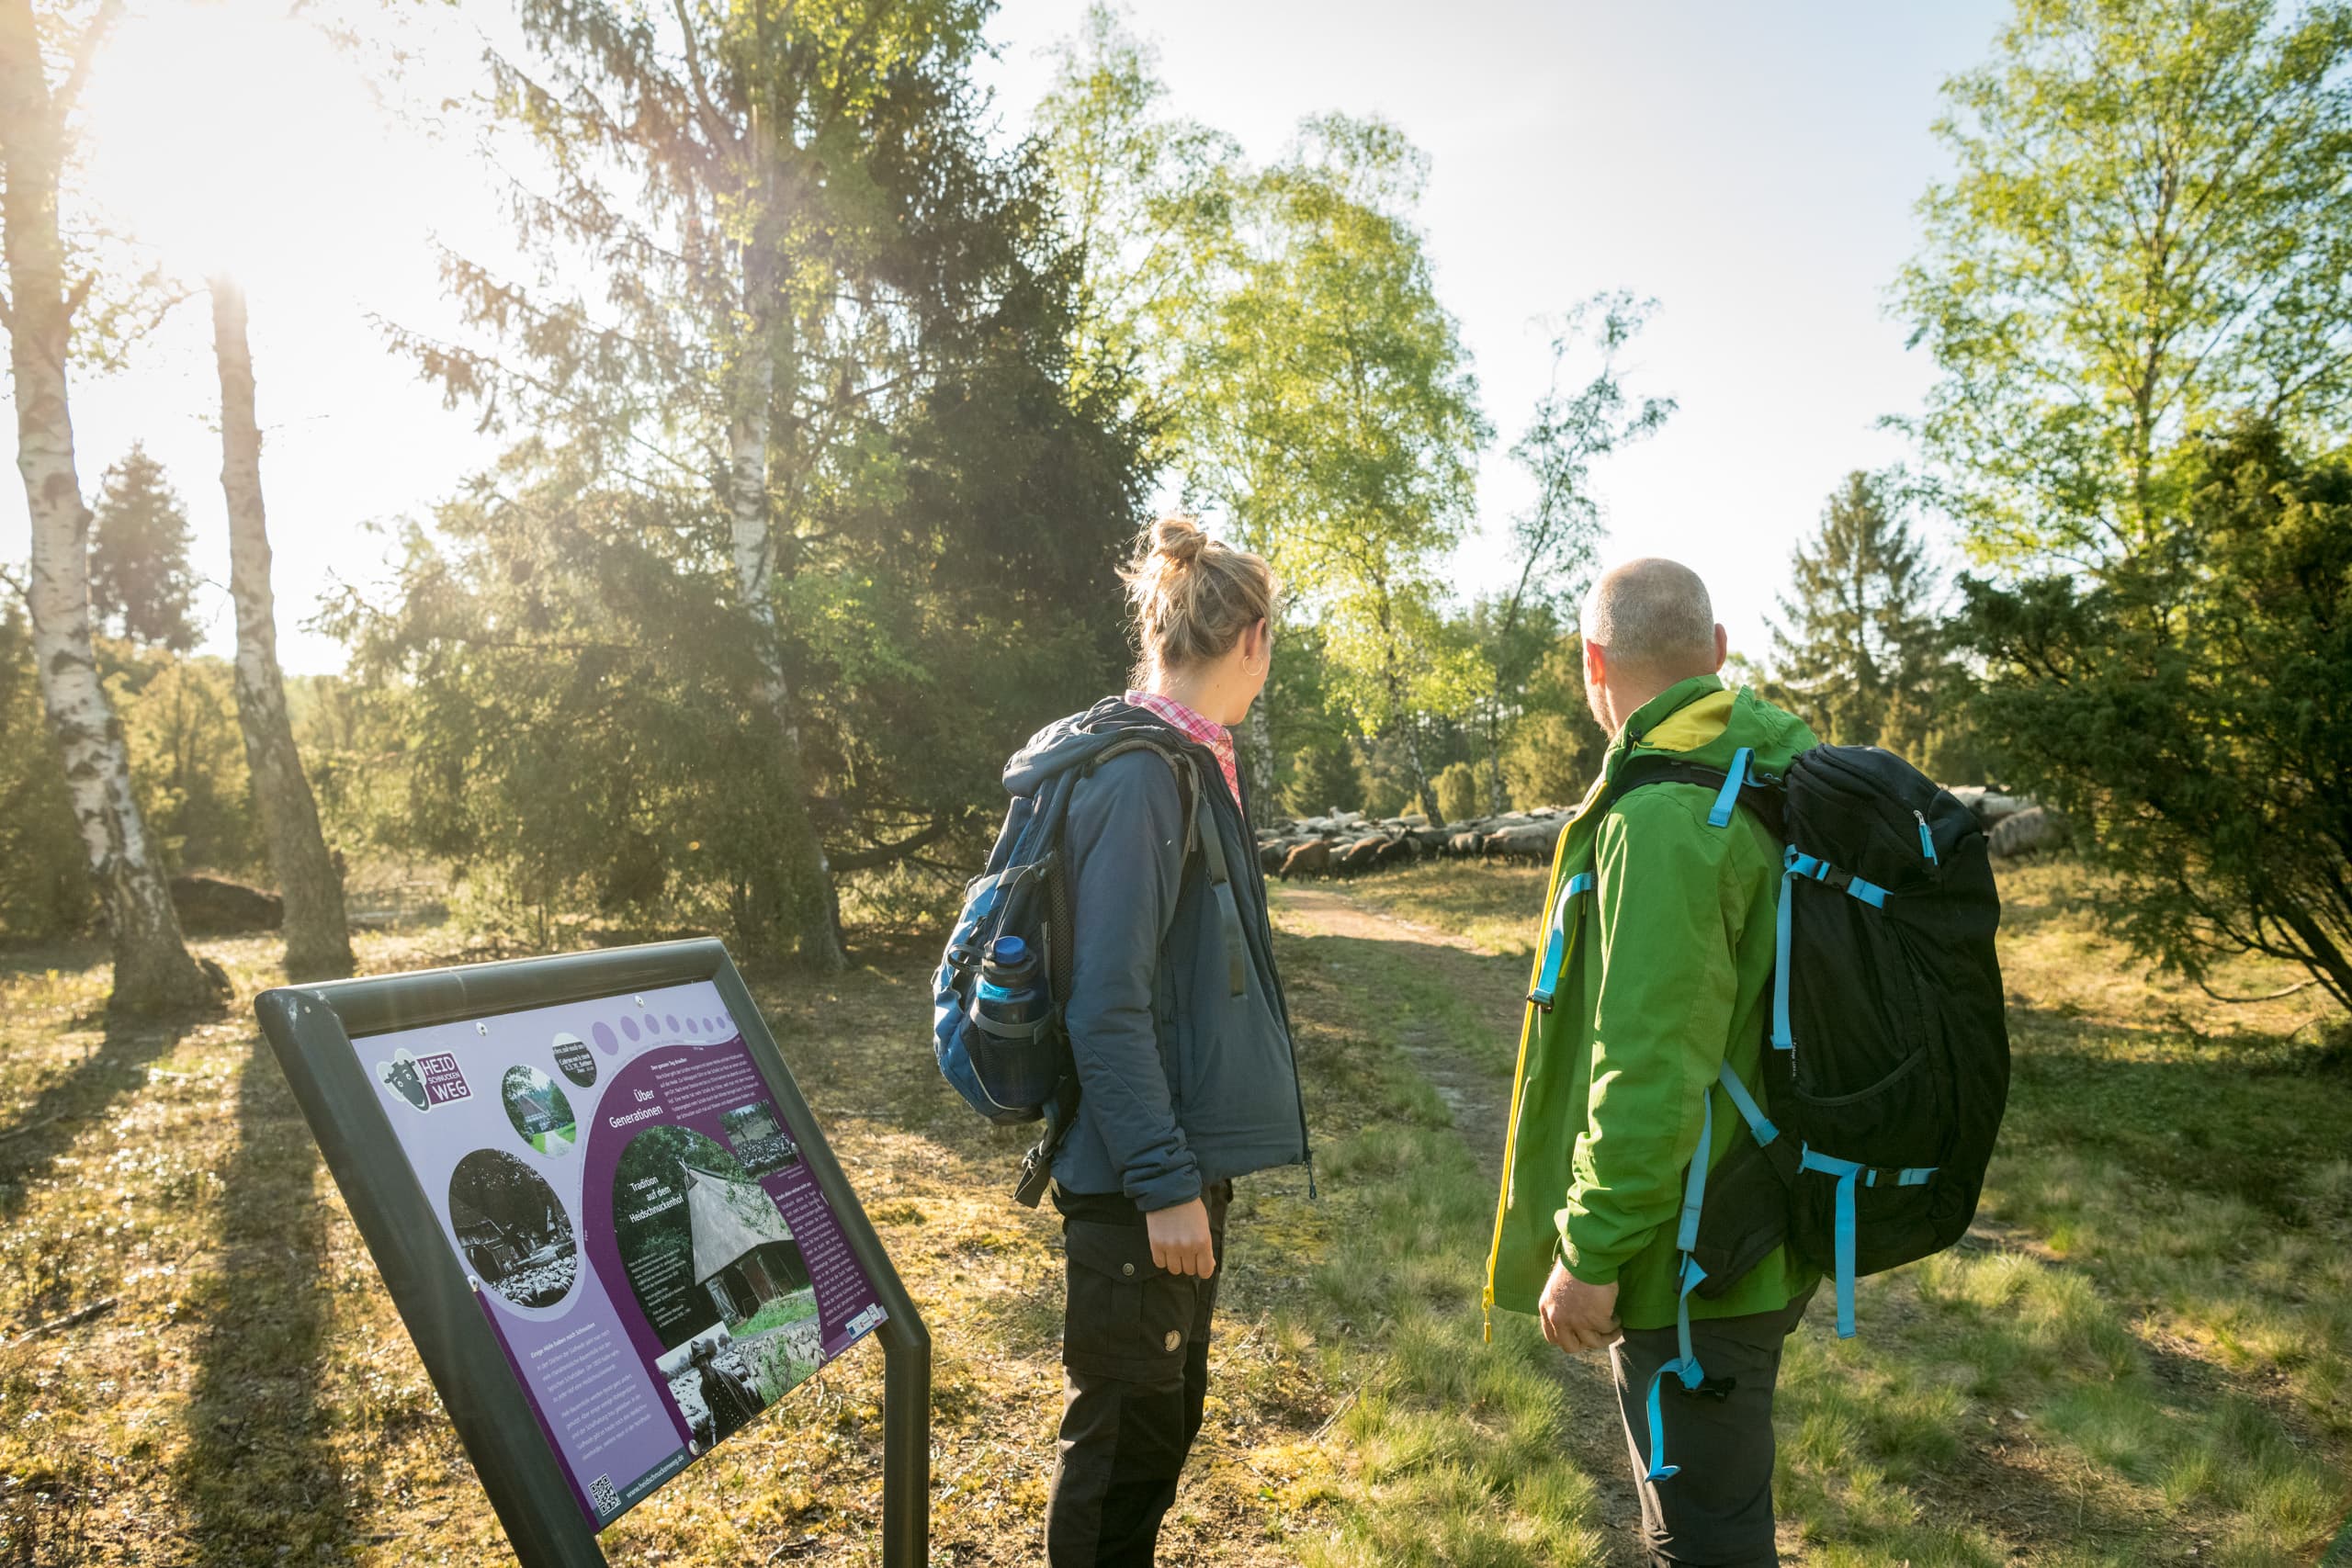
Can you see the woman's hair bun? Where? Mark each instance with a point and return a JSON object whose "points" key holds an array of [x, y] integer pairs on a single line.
{"points": [[1179, 539], [1192, 597]]}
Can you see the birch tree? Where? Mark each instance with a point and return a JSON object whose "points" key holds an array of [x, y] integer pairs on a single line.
{"points": [[1331, 415], [318, 939], [2148, 225], [743, 125], [154, 971]]}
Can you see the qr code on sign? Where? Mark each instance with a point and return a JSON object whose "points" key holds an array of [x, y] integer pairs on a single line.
{"points": [[600, 1494]]}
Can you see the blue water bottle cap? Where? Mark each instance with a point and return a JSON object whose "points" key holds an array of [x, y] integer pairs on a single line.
{"points": [[1009, 951]]}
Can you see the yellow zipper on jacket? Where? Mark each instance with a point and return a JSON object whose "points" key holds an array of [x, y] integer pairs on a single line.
{"points": [[1686, 729], [1526, 1037]]}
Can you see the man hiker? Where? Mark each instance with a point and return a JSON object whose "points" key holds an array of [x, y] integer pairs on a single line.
{"points": [[1656, 956]]}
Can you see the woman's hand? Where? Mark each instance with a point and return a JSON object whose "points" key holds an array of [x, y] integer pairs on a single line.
{"points": [[1180, 1239]]}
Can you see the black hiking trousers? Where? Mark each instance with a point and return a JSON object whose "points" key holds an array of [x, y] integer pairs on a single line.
{"points": [[1717, 1511], [1136, 1372]]}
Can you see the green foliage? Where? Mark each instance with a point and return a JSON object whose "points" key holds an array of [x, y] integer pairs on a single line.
{"points": [[1458, 796], [1556, 746], [141, 585], [2195, 709], [2149, 223], [1147, 199], [1322, 779], [1554, 758], [188, 759], [44, 877], [1329, 410], [1558, 539], [1384, 781], [946, 494], [1860, 654], [179, 719]]}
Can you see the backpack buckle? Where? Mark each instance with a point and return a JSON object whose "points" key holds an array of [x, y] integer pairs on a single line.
{"points": [[1036, 1172]]}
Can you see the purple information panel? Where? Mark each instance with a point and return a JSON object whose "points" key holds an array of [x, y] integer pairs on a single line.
{"points": [[631, 1206]]}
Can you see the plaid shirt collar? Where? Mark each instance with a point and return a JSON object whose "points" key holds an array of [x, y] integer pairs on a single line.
{"points": [[1215, 737]]}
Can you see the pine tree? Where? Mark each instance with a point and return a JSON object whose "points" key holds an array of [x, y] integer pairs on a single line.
{"points": [[141, 585], [1858, 654], [1322, 779]]}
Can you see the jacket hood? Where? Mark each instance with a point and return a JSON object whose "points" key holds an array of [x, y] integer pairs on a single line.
{"points": [[1703, 722], [1077, 740]]}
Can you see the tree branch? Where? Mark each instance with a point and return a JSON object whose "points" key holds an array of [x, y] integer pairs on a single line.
{"points": [[883, 855], [2267, 996], [85, 50], [714, 124]]}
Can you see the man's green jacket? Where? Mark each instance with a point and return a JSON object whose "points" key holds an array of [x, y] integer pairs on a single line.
{"points": [[1668, 976]]}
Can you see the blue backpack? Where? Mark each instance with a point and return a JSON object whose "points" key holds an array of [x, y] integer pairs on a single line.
{"points": [[1022, 1072]]}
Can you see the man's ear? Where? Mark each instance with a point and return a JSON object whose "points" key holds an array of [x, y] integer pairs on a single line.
{"points": [[1722, 645], [1595, 665]]}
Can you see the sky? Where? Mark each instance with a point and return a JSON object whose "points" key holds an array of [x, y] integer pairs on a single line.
{"points": [[1753, 168]]}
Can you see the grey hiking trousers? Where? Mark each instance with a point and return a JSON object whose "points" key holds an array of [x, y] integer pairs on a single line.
{"points": [[1716, 1511]]}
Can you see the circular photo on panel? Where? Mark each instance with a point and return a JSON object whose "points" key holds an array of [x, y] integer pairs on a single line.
{"points": [[573, 1056], [537, 1105], [512, 1229]]}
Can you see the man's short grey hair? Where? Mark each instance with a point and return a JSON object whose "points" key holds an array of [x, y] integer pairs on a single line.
{"points": [[1652, 615]]}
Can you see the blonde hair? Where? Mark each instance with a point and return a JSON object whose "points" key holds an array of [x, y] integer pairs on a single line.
{"points": [[1192, 595]]}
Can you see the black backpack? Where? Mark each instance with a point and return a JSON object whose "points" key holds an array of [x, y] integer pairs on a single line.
{"points": [[1887, 1068]]}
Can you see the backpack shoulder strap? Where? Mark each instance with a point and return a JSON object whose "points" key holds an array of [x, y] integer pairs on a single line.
{"points": [[1210, 843], [1742, 786]]}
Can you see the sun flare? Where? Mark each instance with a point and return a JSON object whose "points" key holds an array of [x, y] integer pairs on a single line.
{"points": [[234, 135]]}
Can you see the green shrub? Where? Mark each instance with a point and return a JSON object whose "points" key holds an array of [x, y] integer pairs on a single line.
{"points": [[1458, 796]]}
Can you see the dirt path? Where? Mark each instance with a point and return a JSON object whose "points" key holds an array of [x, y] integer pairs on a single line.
{"points": [[1480, 1099]]}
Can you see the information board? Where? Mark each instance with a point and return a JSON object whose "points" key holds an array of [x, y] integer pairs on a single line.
{"points": [[601, 1161], [631, 1210]]}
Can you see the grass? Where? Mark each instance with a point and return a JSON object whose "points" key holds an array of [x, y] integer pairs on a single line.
{"points": [[2143, 1349], [796, 1307], [2143, 1353], [1450, 1450]]}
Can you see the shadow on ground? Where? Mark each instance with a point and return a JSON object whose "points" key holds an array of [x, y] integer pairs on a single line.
{"points": [[260, 1475], [47, 1127]]}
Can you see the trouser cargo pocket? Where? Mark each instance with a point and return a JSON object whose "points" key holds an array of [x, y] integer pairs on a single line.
{"points": [[1127, 1319]]}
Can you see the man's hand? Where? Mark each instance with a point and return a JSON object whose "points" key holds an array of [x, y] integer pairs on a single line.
{"points": [[1577, 1316], [1180, 1239]]}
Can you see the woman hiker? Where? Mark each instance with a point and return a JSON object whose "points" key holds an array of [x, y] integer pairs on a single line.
{"points": [[1180, 1037]]}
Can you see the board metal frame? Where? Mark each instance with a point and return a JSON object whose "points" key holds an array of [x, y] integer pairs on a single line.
{"points": [[312, 1027]]}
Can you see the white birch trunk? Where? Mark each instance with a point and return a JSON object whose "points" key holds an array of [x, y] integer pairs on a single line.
{"points": [[153, 971], [814, 902], [318, 938]]}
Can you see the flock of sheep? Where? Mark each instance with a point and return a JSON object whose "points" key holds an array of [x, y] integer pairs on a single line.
{"points": [[1346, 843]]}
